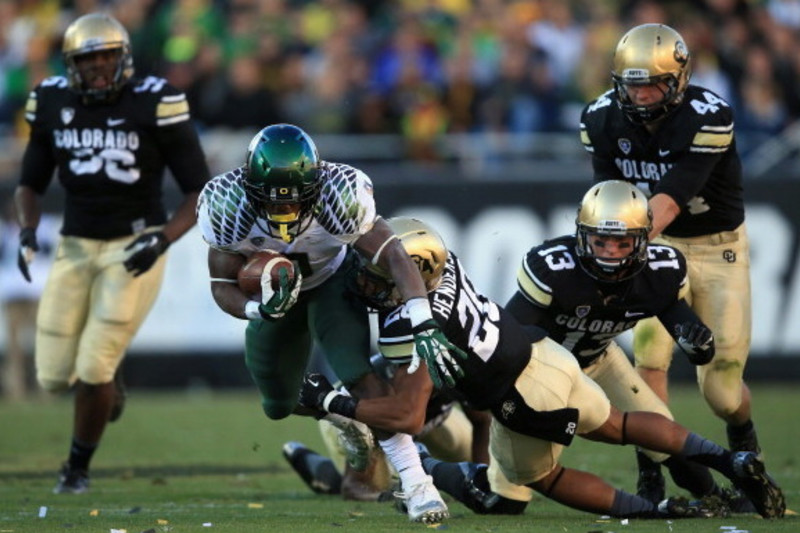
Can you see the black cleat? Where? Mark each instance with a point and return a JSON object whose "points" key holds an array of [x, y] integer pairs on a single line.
{"points": [[757, 485], [317, 471], [738, 502], [650, 485], [71, 481], [706, 507], [120, 395]]}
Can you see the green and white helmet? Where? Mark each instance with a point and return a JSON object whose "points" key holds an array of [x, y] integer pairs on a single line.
{"points": [[283, 168]]}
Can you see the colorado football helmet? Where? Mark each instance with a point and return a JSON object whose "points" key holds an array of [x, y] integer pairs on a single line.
{"points": [[613, 209], [282, 179], [427, 250], [646, 55], [91, 33]]}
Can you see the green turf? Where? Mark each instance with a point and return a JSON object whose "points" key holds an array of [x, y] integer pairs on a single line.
{"points": [[178, 461]]}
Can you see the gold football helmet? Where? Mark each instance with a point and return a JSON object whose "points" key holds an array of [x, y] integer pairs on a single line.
{"points": [[426, 248], [646, 55], [97, 32], [613, 209]]}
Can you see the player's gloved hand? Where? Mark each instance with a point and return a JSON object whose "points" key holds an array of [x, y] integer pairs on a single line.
{"points": [[275, 303], [696, 341], [431, 345], [146, 249], [28, 246], [317, 392]]}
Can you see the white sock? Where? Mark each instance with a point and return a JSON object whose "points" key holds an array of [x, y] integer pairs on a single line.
{"points": [[403, 456]]}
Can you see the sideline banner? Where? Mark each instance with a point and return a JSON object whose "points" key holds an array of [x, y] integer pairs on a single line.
{"points": [[491, 226]]}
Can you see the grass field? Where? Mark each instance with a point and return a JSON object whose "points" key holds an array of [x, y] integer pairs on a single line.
{"points": [[205, 461]]}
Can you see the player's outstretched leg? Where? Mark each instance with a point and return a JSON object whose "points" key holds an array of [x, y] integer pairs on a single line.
{"points": [[317, 471]]}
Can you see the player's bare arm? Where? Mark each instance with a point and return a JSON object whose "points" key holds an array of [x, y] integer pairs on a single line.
{"points": [[29, 210], [381, 246], [223, 268], [665, 210]]}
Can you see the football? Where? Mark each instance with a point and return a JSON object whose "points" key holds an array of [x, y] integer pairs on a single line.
{"points": [[250, 274]]}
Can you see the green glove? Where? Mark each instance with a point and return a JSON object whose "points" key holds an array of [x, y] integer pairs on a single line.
{"points": [[275, 303], [432, 346]]}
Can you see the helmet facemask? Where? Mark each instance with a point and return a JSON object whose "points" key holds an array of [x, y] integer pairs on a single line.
{"points": [[651, 54], [97, 34], [282, 179], [612, 210]]}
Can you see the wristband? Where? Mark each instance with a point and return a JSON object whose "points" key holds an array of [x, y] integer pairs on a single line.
{"points": [[251, 310], [340, 404], [419, 310]]}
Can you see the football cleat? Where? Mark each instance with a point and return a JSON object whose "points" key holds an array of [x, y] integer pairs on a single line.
{"points": [[760, 488], [71, 481], [650, 485], [737, 501], [318, 472], [706, 507], [423, 503], [356, 440]]}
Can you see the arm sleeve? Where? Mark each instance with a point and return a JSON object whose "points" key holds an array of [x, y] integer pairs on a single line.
{"points": [[38, 163], [685, 180], [184, 155], [676, 314], [524, 310]]}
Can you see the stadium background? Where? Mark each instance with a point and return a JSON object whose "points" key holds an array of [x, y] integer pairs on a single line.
{"points": [[464, 113]]}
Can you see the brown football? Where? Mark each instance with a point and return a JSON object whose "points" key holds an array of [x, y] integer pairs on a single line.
{"points": [[250, 273]]}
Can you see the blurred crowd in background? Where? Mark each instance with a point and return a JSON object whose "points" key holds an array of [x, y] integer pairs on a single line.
{"points": [[420, 68]]}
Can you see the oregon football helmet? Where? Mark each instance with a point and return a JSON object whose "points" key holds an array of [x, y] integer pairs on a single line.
{"points": [[426, 248], [646, 55], [613, 209], [283, 169], [91, 33]]}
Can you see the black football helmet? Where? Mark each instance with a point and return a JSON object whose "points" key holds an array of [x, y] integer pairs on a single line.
{"points": [[613, 209], [426, 248], [649, 54], [97, 32], [283, 168]]}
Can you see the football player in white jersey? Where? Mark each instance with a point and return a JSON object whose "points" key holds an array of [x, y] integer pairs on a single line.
{"points": [[321, 215]]}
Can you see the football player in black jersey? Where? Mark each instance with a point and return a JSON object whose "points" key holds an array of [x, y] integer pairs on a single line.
{"points": [[675, 141], [111, 137], [538, 396], [586, 289]]}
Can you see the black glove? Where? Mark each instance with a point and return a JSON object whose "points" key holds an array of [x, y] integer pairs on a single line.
{"points": [[314, 390], [431, 345], [147, 248], [696, 341], [27, 246], [317, 392]]}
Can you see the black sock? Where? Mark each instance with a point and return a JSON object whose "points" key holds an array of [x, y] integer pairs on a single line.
{"points": [[630, 505], [80, 454], [645, 463], [449, 477], [710, 454], [743, 437], [691, 476]]}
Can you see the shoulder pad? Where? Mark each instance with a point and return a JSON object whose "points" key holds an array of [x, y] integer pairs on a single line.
{"points": [[49, 85], [224, 215], [171, 104], [346, 205], [536, 277], [711, 121]]}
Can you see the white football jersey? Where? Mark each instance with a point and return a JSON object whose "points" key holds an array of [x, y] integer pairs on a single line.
{"points": [[344, 212]]}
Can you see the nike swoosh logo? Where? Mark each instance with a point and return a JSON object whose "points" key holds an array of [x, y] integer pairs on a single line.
{"points": [[631, 314], [313, 383], [664, 153], [115, 121]]}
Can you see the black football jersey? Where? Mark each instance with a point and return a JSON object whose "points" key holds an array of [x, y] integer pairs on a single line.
{"points": [[583, 314], [111, 157], [692, 157], [498, 347]]}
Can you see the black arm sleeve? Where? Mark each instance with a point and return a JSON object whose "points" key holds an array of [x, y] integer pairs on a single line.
{"points": [[38, 163], [184, 155], [524, 311], [687, 178], [677, 314], [604, 169]]}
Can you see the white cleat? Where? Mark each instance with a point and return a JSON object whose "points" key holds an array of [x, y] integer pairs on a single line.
{"points": [[424, 503]]}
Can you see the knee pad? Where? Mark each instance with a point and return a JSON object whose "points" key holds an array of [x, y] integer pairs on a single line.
{"points": [[721, 386]]}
